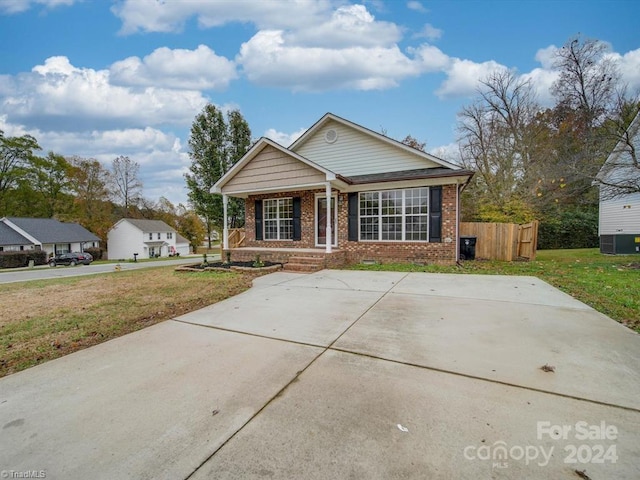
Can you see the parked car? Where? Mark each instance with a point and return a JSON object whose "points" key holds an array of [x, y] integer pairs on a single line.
{"points": [[71, 259]]}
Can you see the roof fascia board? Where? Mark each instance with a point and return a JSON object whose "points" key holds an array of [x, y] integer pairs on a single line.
{"points": [[292, 188]]}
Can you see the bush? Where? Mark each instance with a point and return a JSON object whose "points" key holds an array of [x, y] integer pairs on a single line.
{"points": [[573, 228], [95, 252], [21, 258]]}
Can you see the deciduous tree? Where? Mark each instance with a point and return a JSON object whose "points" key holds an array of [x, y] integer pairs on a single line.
{"points": [[215, 145], [90, 185], [16, 154], [124, 178]]}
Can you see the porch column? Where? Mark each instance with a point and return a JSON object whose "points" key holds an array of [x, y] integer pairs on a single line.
{"points": [[329, 240], [225, 229]]}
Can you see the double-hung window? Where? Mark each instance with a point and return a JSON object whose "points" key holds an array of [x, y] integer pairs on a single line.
{"points": [[394, 215], [278, 219]]}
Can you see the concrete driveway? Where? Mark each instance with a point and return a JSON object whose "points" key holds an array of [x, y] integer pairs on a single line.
{"points": [[342, 374]]}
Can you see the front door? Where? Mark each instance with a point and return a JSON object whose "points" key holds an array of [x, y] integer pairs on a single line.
{"points": [[321, 221]]}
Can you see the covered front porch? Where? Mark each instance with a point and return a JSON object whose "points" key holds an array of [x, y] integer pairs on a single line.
{"points": [[293, 259]]}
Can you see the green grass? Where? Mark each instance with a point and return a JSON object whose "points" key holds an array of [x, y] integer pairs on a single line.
{"points": [[46, 319], [605, 282]]}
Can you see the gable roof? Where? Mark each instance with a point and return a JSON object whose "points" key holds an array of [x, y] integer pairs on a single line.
{"points": [[180, 239], [8, 236], [614, 161], [50, 230], [329, 117], [254, 151], [148, 225]]}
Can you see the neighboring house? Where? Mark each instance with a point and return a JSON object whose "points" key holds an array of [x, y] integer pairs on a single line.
{"points": [[619, 221], [46, 234], [388, 201], [146, 238]]}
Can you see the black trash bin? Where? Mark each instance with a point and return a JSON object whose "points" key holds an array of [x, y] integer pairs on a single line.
{"points": [[467, 248]]}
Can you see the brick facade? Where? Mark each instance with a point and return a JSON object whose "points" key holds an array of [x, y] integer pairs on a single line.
{"points": [[444, 252]]}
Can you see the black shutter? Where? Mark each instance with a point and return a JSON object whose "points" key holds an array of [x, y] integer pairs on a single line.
{"points": [[435, 214], [353, 217], [297, 214], [258, 217]]}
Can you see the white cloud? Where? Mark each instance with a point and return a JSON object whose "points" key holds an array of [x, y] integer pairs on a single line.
{"points": [[463, 77], [349, 26], [547, 56], [449, 152], [429, 32], [62, 96], [541, 81], [284, 139], [155, 16], [416, 6], [629, 67], [17, 6], [430, 58], [267, 60], [183, 69]]}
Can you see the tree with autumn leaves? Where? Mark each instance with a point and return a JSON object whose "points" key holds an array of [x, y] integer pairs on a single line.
{"points": [[533, 162], [81, 190]]}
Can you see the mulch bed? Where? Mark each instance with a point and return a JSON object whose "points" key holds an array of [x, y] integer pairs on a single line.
{"points": [[246, 267]]}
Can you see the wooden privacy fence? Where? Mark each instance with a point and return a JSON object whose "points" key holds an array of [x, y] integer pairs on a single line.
{"points": [[503, 241]]}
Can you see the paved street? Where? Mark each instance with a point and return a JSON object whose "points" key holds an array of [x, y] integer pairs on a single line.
{"points": [[43, 272]]}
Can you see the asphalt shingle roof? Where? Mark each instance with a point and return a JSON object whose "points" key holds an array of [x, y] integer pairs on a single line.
{"points": [[406, 175], [150, 225], [50, 230], [8, 236]]}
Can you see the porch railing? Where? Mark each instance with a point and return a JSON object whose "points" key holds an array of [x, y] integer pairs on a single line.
{"points": [[236, 238]]}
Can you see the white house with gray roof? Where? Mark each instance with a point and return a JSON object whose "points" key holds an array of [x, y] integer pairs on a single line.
{"points": [[619, 182], [46, 234], [145, 239]]}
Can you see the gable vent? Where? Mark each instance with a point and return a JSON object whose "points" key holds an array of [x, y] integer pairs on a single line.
{"points": [[331, 135]]}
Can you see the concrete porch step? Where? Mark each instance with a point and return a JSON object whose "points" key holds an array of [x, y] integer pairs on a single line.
{"points": [[307, 260], [302, 267], [304, 264]]}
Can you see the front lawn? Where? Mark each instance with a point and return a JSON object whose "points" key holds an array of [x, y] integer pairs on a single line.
{"points": [[607, 283], [46, 319]]}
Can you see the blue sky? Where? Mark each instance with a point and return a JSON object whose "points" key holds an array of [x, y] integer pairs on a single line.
{"points": [[100, 79]]}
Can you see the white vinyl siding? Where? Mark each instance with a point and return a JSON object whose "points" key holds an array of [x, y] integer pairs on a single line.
{"points": [[124, 239], [619, 216], [394, 215], [356, 153]]}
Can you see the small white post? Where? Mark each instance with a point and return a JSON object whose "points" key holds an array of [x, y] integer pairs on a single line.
{"points": [[329, 233], [225, 230]]}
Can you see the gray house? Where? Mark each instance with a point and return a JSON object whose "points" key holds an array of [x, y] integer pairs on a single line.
{"points": [[46, 234], [619, 182]]}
